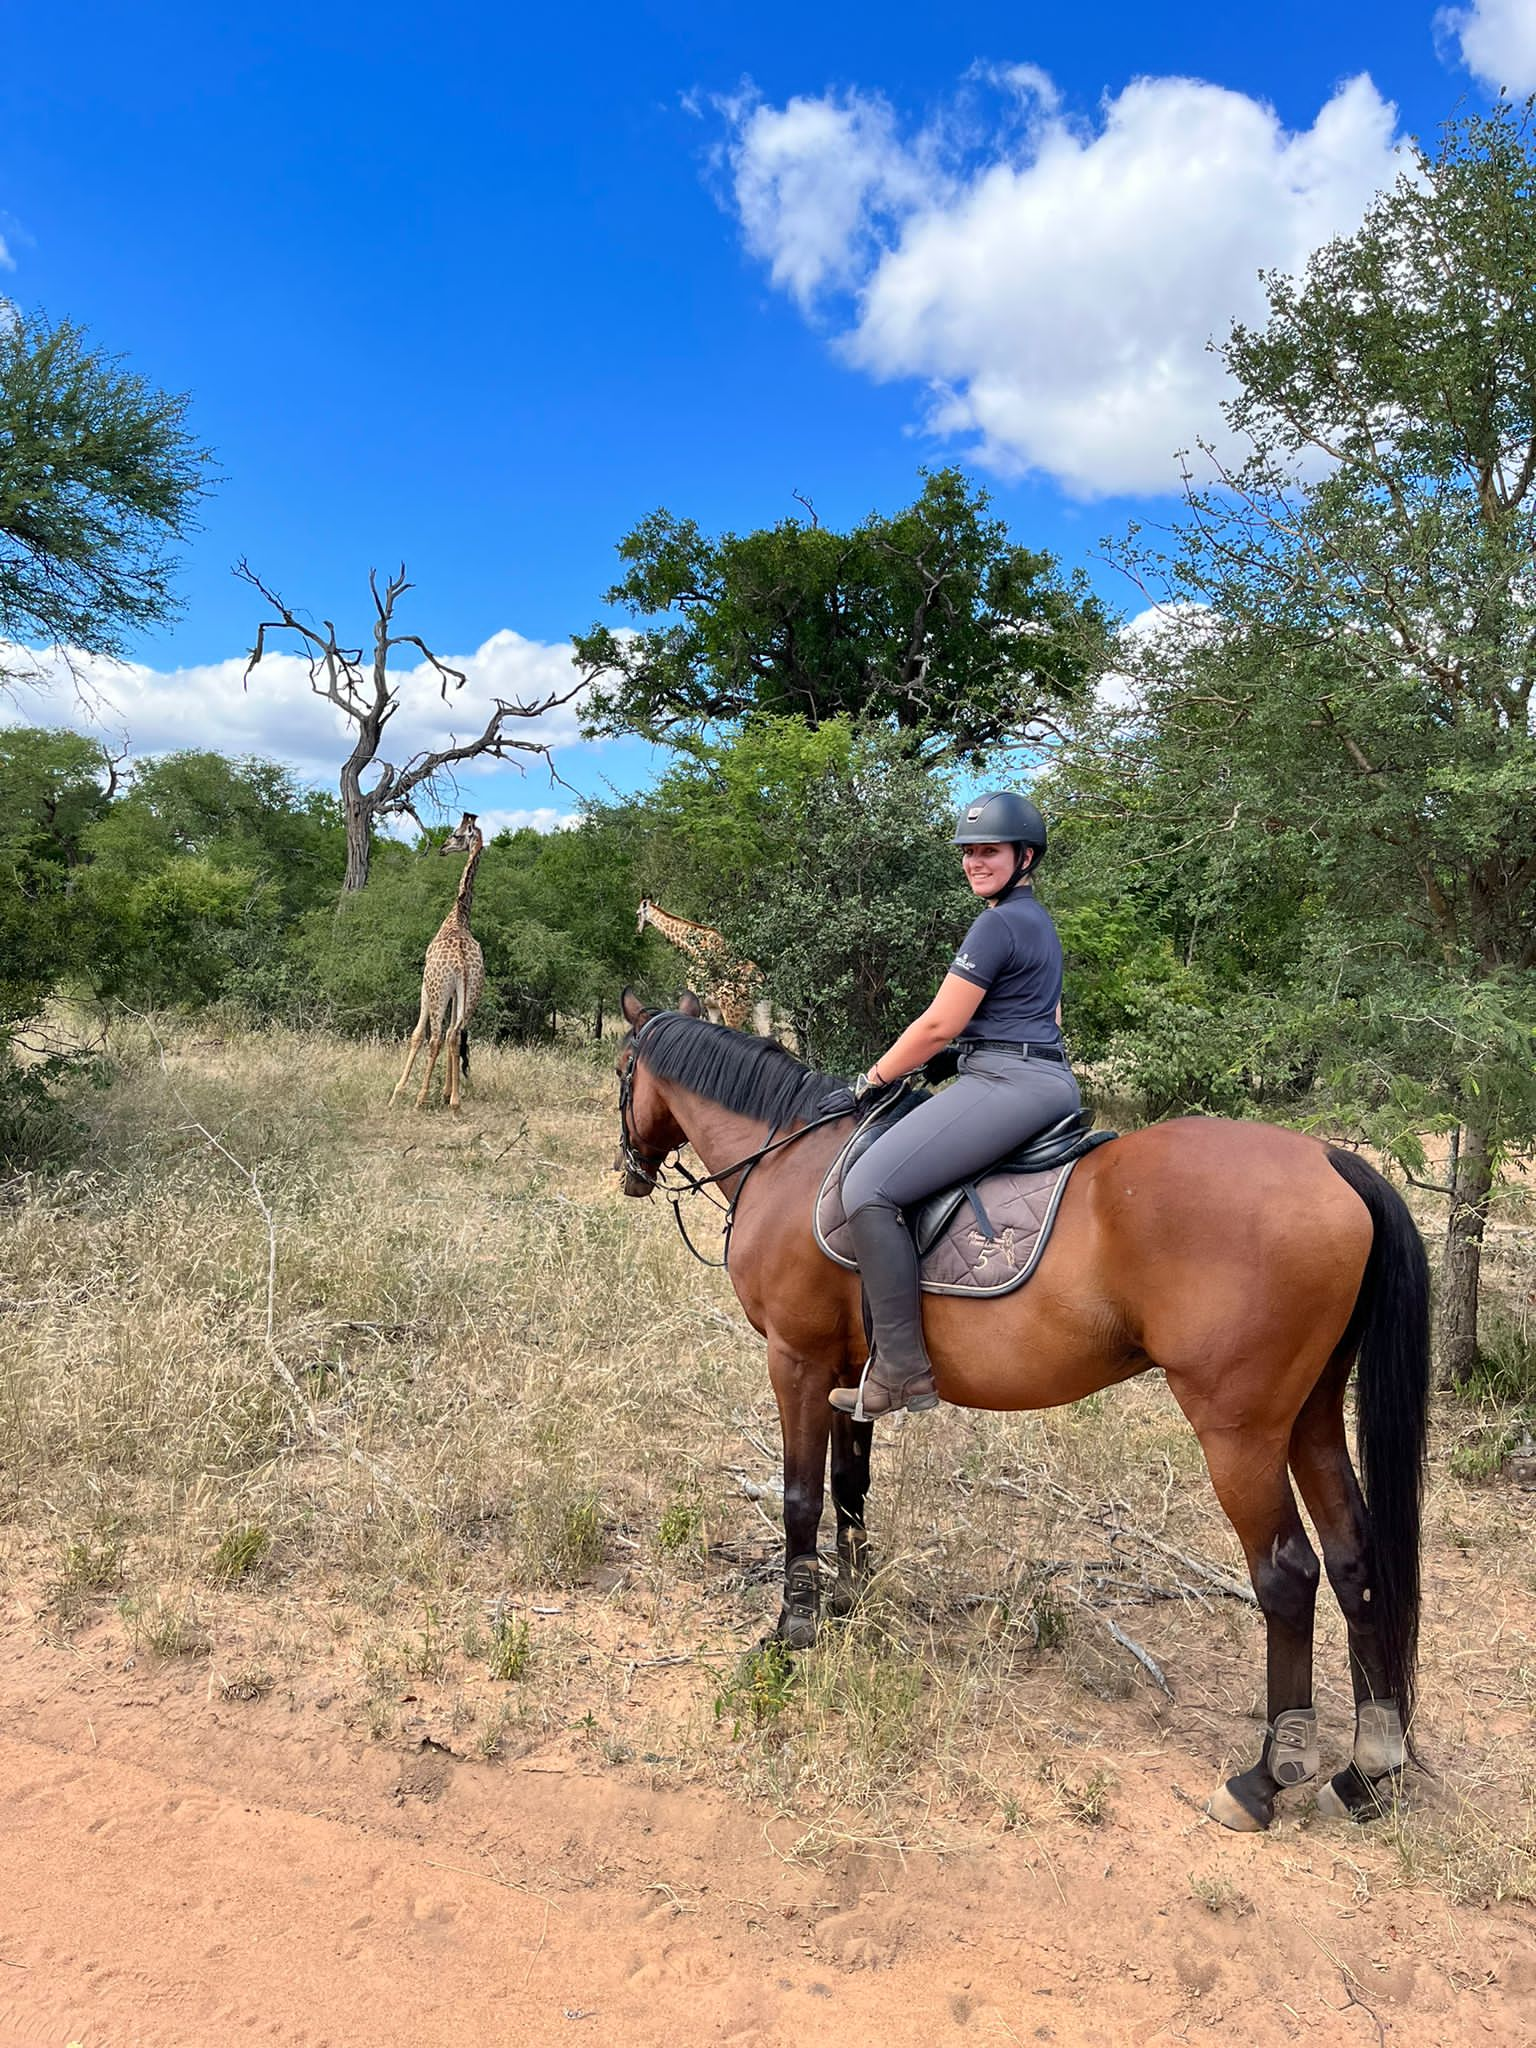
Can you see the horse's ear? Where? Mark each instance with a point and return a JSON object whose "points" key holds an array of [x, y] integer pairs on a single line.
{"points": [[634, 1010], [689, 1005]]}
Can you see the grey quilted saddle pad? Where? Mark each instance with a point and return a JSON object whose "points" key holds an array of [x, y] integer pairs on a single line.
{"points": [[958, 1256]]}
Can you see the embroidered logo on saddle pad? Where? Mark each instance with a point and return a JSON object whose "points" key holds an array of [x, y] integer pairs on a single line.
{"points": [[958, 1255]]}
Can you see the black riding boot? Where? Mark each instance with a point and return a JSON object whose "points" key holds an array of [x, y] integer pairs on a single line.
{"points": [[898, 1374]]}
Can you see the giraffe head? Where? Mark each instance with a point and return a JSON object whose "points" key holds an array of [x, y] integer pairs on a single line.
{"points": [[465, 836], [644, 918]]}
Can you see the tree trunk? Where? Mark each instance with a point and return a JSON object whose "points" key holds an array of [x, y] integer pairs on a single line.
{"points": [[359, 849], [597, 1020], [1471, 1183]]}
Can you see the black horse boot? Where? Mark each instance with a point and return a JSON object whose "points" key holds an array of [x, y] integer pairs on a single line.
{"points": [[898, 1374]]}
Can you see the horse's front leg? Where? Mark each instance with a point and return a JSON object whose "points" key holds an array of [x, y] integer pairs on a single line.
{"points": [[801, 1387]]}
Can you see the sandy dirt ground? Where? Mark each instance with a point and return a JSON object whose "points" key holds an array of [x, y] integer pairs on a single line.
{"points": [[181, 1870]]}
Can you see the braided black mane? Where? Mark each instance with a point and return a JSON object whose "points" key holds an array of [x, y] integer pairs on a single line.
{"points": [[754, 1076]]}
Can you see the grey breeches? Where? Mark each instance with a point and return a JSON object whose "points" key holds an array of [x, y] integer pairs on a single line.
{"points": [[996, 1103]]}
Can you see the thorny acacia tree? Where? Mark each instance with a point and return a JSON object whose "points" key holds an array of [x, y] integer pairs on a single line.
{"points": [[98, 479], [369, 696], [1343, 683], [931, 621]]}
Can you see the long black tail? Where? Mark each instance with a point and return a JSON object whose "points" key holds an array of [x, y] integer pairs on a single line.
{"points": [[464, 1050], [1390, 1327]]}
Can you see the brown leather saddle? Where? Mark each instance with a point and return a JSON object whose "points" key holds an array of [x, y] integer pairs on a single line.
{"points": [[983, 1236]]}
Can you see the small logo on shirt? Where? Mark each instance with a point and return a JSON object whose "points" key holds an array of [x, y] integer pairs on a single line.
{"points": [[965, 960]]}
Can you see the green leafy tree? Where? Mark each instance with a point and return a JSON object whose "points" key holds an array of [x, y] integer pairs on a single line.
{"points": [[932, 621], [1340, 696], [246, 813], [823, 855], [53, 787], [99, 479], [554, 914]]}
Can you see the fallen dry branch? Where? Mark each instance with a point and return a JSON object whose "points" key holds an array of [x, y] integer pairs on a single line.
{"points": [[1108, 1517]]}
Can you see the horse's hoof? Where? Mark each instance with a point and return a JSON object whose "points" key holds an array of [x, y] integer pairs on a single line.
{"points": [[795, 1631], [1225, 1806], [1330, 1802], [1353, 1796], [844, 1597]]}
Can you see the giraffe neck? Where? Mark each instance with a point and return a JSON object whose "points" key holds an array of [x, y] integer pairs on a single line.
{"points": [[696, 940], [466, 896]]}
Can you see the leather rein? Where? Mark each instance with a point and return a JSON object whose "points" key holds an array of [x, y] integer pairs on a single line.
{"points": [[650, 1166]]}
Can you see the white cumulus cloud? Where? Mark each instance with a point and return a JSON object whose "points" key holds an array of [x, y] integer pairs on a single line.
{"points": [[1497, 41], [1054, 283], [276, 715], [542, 818]]}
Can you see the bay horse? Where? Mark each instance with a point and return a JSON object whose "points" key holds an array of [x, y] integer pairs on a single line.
{"points": [[1252, 1265]]}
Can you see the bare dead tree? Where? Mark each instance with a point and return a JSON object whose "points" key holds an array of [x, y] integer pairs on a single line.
{"points": [[366, 694]]}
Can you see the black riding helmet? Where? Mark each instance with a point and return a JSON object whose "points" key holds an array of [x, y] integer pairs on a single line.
{"points": [[1003, 818]]}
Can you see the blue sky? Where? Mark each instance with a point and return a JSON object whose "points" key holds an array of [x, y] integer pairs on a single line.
{"points": [[480, 288]]}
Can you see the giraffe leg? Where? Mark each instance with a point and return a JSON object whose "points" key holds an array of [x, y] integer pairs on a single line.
{"points": [[451, 1079], [433, 1049], [416, 1040]]}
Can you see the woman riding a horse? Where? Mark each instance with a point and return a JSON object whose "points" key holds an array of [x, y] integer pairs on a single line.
{"points": [[1255, 1267], [1002, 1000]]}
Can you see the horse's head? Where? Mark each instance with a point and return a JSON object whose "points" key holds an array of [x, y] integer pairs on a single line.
{"points": [[648, 1131]]}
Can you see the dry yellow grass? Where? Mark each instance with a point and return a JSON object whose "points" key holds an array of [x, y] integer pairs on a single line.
{"points": [[410, 1407]]}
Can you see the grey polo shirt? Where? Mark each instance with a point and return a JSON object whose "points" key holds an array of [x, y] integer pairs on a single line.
{"points": [[1012, 952]]}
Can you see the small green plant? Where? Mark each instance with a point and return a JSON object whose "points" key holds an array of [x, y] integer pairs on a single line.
{"points": [[1049, 1621], [1506, 1364], [682, 1522], [511, 1648], [1083, 1795], [491, 1741], [164, 1627], [424, 1656], [239, 1552], [583, 1534], [90, 1565], [1482, 1459], [562, 1530], [253, 1684], [1218, 1893], [759, 1690]]}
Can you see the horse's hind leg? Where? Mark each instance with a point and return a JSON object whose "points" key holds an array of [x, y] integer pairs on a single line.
{"points": [[1321, 1462], [850, 1484], [1251, 1484]]}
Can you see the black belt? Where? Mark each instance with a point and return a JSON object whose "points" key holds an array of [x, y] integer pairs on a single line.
{"points": [[1022, 1052]]}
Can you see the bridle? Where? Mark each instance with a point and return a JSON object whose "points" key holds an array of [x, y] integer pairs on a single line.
{"points": [[650, 1166]]}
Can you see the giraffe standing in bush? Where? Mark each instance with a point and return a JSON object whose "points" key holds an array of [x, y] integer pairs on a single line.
{"points": [[729, 985], [453, 978]]}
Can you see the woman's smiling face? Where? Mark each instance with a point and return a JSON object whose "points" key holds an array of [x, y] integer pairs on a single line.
{"points": [[987, 868]]}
